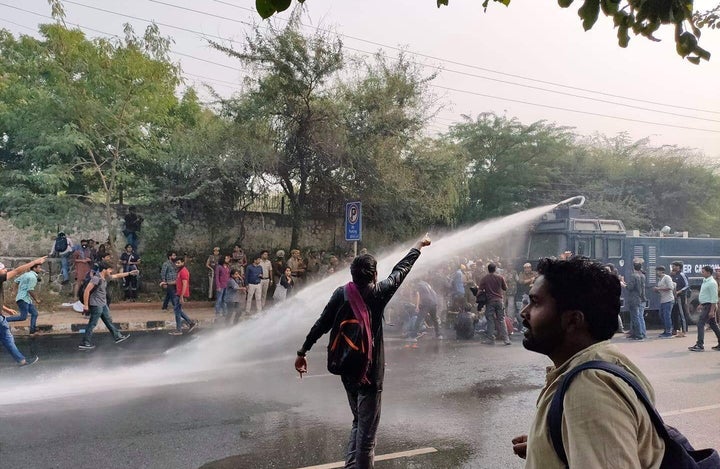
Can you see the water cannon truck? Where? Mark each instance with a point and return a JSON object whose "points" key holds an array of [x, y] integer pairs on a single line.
{"points": [[567, 229]]}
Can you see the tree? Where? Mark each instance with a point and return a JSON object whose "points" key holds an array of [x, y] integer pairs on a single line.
{"points": [[642, 17], [80, 116], [289, 106], [510, 165]]}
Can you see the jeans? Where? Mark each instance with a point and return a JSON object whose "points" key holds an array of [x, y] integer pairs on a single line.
{"points": [[637, 321], [705, 319], [220, 302], [365, 402], [132, 239], [425, 311], [26, 308], [7, 340], [65, 266], [665, 310], [180, 315], [99, 312]]}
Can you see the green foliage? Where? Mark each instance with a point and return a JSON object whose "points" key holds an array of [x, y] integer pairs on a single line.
{"points": [[81, 116]]}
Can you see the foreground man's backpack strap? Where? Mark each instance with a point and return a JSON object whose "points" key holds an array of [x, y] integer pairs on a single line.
{"points": [[679, 453]]}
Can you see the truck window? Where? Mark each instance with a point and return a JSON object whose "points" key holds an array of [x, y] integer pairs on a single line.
{"points": [[546, 245], [582, 247], [599, 248], [615, 248]]}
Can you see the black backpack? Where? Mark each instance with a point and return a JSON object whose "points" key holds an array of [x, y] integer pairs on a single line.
{"points": [[83, 286], [347, 355], [61, 244], [679, 453]]}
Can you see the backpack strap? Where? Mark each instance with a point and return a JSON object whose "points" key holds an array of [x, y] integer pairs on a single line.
{"points": [[554, 418]]}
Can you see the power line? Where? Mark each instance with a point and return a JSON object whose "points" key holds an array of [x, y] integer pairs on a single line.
{"points": [[436, 86], [572, 110], [467, 65], [474, 75]]}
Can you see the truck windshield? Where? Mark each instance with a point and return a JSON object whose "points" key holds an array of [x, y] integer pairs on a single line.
{"points": [[546, 245]]}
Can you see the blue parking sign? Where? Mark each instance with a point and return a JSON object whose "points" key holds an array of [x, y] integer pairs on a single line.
{"points": [[353, 221]]}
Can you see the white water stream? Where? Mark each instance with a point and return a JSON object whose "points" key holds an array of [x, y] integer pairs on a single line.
{"points": [[272, 335]]}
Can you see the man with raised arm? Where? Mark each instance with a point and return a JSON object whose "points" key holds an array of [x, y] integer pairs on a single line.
{"points": [[363, 385]]}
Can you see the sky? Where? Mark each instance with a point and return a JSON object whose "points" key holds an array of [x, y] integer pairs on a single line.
{"points": [[530, 60]]}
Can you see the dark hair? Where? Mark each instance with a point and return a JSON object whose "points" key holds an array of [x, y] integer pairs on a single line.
{"points": [[363, 269], [170, 253], [181, 258], [233, 272], [637, 266], [584, 285], [264, 251], [102, 266], [707, 268], [677, 263], [130, 245], [660, 268], [221, 260], [491, 268]]}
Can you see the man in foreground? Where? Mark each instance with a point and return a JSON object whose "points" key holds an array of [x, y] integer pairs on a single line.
{"points": [[571, 317], [363, 387]]}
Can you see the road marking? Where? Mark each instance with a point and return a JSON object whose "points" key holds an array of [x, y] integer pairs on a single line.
{"points": [[690, 410], [384, 457]]}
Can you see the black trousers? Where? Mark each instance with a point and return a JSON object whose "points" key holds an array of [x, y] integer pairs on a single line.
{"points": [[365, 403]]}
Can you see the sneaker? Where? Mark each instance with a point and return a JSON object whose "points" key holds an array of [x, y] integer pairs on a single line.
{"points": [[507, 342], [122, 338], [175, 333], [639, 339], [696, 348], [192, 326], [32, 361], [420, 334], [665, 335], [86, 346], [716, 348]]}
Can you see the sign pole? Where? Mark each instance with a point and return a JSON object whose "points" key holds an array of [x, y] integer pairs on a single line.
{"points": [[355, 248]]}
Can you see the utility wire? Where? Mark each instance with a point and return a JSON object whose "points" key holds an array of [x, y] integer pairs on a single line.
{"points": [[465, 64], [438, 87]]}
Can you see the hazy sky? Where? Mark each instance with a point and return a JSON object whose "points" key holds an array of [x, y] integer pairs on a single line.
{"points": [[493, 61]]}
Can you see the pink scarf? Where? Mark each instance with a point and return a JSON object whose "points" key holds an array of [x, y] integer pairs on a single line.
{"points": [[362, 314]]}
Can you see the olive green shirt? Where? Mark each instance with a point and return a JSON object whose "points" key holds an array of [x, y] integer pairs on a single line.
{"points": [[604, 424]]}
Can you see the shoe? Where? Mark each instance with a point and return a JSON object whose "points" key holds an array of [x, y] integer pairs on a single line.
{"points": [[192, 326], [122, 338], [716, 348], [507, 342], [681, 334], [639, 339], [33, 360], [175, 333], [420, 334], [86, 346], [696, 348], [665, 335], [440, 337]]}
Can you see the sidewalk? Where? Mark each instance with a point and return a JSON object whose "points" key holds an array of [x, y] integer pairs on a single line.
{"points": [[126, 316]]}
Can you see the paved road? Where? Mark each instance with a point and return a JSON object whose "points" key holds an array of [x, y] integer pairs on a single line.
{"points": [[219, 409]]}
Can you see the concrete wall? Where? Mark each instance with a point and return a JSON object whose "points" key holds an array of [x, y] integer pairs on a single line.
{"points": [[261, 231]]}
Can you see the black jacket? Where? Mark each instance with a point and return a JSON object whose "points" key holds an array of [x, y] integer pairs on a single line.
{"points": [[376, 297]]}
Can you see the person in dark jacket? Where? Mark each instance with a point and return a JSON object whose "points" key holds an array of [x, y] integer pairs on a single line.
{"points": [[364, 395]]}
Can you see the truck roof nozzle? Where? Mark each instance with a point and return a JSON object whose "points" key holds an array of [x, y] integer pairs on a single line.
{"points": [[580, 201]]}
